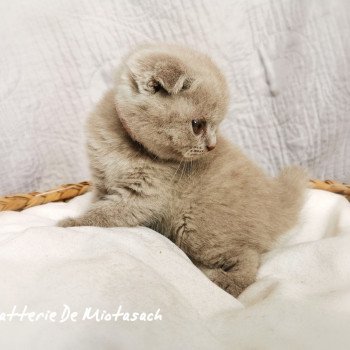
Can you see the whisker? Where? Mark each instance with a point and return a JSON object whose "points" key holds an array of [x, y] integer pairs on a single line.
{"points": [[182, 172], [173, 178]]}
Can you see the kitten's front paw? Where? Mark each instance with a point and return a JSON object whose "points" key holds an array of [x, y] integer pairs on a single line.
{"points": [[69, 222]]}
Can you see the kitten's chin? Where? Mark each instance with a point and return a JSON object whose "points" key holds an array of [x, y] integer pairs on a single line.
{"points": [[190, 155], [192, 158], [173, 156], [179, 156], [163, 153]]}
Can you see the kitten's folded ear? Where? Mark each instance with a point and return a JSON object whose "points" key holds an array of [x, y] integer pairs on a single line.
{"points": [[153, 72]]}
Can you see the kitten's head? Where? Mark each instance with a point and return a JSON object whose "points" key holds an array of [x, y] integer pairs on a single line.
{"points": [[171, 100]]}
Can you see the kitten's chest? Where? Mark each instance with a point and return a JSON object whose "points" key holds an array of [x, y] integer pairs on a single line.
{"points": [[148, 180], [188, 183], [185, 186]]}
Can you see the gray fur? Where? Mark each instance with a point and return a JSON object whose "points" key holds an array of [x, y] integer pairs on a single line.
{"points": [[149, 168]]}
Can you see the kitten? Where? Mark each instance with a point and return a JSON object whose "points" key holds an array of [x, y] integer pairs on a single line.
{"points": [[159, 160]]}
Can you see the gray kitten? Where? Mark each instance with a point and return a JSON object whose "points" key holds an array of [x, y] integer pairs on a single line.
{"points": [[158, 160]]}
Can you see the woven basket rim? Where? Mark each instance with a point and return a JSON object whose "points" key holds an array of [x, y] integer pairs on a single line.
{"points": [[65, 192]]}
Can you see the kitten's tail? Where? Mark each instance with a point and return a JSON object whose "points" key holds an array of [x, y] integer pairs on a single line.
{"points": [[292, 183]]}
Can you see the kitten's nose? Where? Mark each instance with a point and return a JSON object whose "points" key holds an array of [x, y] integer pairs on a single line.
{"points": [[211, 147], [210, 139]]}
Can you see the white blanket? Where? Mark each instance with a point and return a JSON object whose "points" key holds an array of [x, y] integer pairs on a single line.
{"points": [[301, 299], [287, 63]]}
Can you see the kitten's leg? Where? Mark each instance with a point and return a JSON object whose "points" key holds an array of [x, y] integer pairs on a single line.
{"points": [[235, 273], [112, 212]]}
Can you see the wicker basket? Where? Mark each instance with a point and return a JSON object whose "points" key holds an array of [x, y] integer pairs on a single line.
{"points": [[65, 192], [27, 200]]}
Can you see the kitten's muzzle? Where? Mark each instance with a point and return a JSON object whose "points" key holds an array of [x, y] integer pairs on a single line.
{"points": [[210, 140], [211, 147]]}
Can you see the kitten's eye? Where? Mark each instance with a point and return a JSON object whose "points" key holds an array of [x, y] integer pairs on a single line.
{"points": [[198, 126], [157, 87]]}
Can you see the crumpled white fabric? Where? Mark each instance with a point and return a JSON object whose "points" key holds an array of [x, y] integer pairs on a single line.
{"points": [[287, 63], [301, 299]]}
